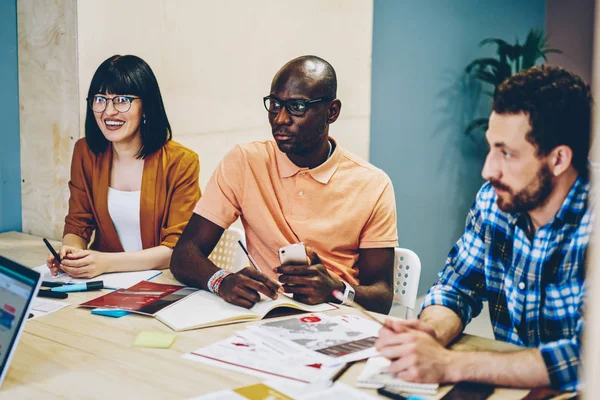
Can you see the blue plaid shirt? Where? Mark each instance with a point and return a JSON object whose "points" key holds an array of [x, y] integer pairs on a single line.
{"points": [[535, 288]]}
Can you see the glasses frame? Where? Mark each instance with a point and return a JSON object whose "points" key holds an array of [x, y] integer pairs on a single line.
{"points": [[285, 104], [90, 99]]}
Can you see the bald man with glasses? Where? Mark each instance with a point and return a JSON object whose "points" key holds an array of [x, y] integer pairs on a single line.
{"points": [[299, 187]]}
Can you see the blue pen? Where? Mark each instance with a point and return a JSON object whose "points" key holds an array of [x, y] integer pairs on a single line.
{"points": [[80, 287]]}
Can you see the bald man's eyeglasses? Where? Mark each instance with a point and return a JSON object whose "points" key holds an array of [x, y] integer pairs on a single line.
{"points": [[295, 107]]}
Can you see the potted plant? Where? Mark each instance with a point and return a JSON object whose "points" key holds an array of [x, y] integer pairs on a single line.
{"points": [[510, 59]]}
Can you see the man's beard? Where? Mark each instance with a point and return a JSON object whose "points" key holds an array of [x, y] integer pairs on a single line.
{"points": [[530, 197]]}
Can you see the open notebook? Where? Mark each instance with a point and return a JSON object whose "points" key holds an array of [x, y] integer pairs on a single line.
{"points": [[374, 376], [203, 309]]}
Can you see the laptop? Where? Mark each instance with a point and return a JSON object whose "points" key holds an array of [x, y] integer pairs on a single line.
{"points": [[18, 287]]}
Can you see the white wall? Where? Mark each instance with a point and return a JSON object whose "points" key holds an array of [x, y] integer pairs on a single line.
{"points": [[214, 61], [570, 25], [591, 345]]}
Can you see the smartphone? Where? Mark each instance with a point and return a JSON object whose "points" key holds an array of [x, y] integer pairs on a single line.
{"points": [[293, 254], [469, 391]]}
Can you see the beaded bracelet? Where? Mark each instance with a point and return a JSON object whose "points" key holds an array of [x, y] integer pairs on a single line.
{"points": [[214, 283]]}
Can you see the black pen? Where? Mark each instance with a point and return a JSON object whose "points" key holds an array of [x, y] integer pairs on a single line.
{"points": [[342, 370], [390, 395], [249, 256], [54, 253]]}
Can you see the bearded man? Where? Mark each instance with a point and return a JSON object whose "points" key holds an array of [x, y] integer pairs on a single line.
{"points": [[523, 249]]}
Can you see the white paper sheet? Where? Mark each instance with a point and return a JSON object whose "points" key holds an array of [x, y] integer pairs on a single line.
{"points": [[340, 339], [115, 280], [42, 307], [245, 352]]}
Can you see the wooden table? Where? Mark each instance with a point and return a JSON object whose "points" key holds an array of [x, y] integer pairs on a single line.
{"points": [[74, 354]]}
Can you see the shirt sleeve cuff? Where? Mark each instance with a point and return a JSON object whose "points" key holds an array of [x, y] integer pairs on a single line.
{"points": [[379, 244], [212, 218], [562, 361], [441, 295]]}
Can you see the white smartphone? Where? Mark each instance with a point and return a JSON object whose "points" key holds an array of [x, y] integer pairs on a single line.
{"points": [[293, 254]]}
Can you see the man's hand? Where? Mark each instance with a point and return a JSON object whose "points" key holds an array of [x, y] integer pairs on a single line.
{"points": [[243, 287], [310, 284], [85, 263], [415, 354], [402, 326]]}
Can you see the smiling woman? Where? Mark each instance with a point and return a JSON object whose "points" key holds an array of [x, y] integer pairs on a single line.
{"points": [[130, 183]]}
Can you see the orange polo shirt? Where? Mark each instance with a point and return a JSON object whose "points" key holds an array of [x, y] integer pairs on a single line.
{"points": [[336, 208]]}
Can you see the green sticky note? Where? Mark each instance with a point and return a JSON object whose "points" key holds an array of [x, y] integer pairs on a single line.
{"points": [[154, 339]]}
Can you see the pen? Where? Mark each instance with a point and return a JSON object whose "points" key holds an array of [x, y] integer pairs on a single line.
{"points": [[80, 287], [254, 263], [52, 295], [345, 368], [338, 295], [54, 253], [52, 284], [249, 256]]}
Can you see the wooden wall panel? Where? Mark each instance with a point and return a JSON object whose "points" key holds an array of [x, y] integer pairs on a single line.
{"points": [[49, 111]]}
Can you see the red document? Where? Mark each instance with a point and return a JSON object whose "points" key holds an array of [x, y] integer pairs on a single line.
{"points": [[146, 298]]}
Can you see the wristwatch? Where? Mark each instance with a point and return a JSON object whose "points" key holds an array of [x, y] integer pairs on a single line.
{"points": [[348, 293]]}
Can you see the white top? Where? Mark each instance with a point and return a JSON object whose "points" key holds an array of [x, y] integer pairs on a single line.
{"points": [[124, 210]]}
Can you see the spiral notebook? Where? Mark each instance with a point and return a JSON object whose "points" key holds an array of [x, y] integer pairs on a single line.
{"points": [[374, 376]]}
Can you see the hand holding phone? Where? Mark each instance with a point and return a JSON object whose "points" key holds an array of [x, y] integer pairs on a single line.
{"points": [[293, 254], [308, 280]]}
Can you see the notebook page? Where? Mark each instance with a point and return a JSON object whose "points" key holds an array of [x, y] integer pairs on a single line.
{"points": [[265, 305], [202, 309], [374, 376], [115, 280]]}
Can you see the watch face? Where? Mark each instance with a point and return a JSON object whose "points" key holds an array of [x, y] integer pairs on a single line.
{"points": [[351, 295]]}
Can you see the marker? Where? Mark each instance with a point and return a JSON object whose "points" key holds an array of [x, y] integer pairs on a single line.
{"points": [[110, 312], [54, 253], [80, 287], [52, 295], [52, 284], [249, 256]]}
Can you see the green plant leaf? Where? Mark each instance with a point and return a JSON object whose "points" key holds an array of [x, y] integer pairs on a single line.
{"points": [[482, 64]]}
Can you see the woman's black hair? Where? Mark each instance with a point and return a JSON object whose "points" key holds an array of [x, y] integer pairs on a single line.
{"points": [[129, 75]]}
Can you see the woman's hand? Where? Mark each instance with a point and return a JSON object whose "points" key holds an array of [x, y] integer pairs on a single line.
{"points": [[53, 265], [86, 263]]}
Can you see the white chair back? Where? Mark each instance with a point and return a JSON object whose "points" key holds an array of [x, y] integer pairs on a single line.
{"points": [[228, 254], [407, 273]]}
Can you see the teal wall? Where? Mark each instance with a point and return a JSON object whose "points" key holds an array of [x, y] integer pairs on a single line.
{"points": [[10, 153], [420, 106]]}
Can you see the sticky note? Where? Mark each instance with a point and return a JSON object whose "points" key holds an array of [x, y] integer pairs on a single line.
{"points": [[154, 339], [260, 391]]}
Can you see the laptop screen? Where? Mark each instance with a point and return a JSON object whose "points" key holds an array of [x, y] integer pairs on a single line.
{"points": [[18, 286]]}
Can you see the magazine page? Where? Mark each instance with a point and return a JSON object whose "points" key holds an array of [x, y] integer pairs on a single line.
{"points": [[325, 335], [144, 298]]}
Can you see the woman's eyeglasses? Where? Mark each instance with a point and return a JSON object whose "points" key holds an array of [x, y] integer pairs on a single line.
{"points": [[99, 103]]}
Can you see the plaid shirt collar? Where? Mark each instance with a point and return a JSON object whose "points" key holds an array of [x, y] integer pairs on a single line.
{"points": [[571, 211]]}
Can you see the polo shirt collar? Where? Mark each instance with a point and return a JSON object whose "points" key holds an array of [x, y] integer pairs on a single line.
{"points": [[322, 173]]}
